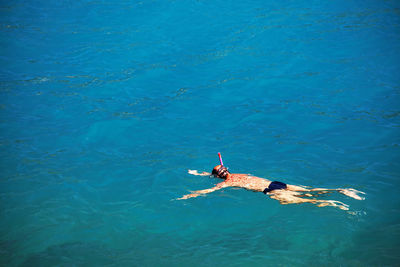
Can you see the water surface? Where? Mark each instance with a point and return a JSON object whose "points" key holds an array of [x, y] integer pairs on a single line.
{"points": [[105, 105]]}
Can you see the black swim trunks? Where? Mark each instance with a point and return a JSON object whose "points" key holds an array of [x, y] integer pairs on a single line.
{"points": [[274, 186]]}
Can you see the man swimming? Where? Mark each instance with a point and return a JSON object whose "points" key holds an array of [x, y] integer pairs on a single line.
{"points": [[285, 193]]}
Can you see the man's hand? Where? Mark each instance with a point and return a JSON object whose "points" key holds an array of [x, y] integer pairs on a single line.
{"points": [[194, 172], [188, 196]]}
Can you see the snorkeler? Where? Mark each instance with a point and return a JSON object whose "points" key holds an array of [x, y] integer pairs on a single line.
{"points": [[285, 193]]}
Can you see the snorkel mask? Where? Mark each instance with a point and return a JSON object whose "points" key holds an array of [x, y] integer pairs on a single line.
{"points": [[222, 172]]}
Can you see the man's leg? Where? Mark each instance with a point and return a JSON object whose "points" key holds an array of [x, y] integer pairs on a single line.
{"points": [[292, 197]]}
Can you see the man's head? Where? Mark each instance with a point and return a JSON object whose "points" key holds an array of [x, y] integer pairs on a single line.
{"points": [[220, 171]]}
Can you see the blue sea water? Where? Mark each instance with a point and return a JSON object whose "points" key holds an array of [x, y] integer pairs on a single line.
{"points": [[105, 105]]}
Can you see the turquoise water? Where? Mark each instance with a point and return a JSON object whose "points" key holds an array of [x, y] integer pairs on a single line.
{"points": [[105, 105]]}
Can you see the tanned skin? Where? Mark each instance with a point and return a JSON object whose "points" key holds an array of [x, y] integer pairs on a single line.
{"points": [[293, 194]]}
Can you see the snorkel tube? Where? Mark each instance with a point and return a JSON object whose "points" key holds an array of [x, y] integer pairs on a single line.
{"points": [[220, 159]]}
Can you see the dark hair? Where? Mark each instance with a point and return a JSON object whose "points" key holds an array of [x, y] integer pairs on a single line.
{"points": [[214, 172]]}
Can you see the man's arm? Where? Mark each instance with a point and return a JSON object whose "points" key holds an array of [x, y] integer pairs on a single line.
{"points": [[205, 191], [194, 172]]}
